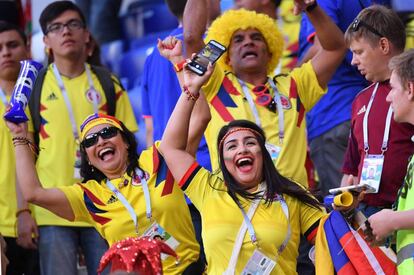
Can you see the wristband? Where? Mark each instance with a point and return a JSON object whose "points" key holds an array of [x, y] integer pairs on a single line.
{"points": [[311, 7], [178, 67], [189, 94], [23, 210]]}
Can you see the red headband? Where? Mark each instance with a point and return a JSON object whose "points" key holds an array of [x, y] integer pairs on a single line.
{"points": [[237, 129]]}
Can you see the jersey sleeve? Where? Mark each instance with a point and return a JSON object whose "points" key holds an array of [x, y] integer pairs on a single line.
{"points": [[76, 197], [309, 220], [306, 85]]}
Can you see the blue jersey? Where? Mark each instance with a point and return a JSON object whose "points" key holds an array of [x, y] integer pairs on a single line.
{"points": [[160, 93]]}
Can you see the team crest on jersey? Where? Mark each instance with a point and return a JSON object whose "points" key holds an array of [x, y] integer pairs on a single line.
{"points": [[92, 95], [285, 102]]}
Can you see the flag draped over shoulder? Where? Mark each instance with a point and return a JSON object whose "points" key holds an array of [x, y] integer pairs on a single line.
{"points": [[349, 252]]}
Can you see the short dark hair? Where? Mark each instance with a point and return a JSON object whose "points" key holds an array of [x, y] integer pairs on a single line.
{"points": [[55, 9], [276, 184], [176, 7], [403, 67], [7, 26]]}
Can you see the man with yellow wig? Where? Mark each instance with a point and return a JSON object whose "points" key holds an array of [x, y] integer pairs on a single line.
{"points": [[242, 85]]}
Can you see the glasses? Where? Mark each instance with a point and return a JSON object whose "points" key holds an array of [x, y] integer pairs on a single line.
{"points": [[263, 97], [358, 23], [72, 25], [105, 133]]}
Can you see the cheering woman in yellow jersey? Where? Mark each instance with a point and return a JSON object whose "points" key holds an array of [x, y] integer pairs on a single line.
{"points": [[122, 195], [252, 217]]}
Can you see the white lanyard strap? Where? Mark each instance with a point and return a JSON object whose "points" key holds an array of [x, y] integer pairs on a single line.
{"points": [[67, 100], [3, 97], [248, 226], [251, 102], [125, 202], [276, 98], [384, 145], [91, 87], [280, 113]]}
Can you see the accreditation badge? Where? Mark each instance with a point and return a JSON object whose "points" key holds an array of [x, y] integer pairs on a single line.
{"points": [[258, 264], [77, 165], [157, 232], [273, 150], [371, 172]]}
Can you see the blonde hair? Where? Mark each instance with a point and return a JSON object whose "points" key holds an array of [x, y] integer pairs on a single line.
{"points": [[223, 28]]}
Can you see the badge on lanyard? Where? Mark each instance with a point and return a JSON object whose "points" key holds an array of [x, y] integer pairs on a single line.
{"points": [[273, 150], [77, 164], [371, 171], [258, 264], [156, 231]]}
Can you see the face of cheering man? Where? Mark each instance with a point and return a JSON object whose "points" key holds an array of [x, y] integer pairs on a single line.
{"points": [[243, 158], [12, 51]]}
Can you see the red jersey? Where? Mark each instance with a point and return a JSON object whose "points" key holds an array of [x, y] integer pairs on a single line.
{"points": [[400, 146]]}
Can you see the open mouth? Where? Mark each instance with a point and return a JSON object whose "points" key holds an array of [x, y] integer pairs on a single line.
{"points": [[244, 164], [249, 54], [106, 153]]}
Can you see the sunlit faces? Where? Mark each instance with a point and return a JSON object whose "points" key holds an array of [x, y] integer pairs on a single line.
{"points": [[110, 155], [243, 158], [368, 59], [248, 52], [12, 51], [70, 42], [399, 97]]}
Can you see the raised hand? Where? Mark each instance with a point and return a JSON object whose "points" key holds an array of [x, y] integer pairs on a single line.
{"points": [[171, 49], [301, 5], [193, 81], [17, 129]]}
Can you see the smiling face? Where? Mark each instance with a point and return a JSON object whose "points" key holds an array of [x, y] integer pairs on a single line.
{"points": [[248, 52], [69, 42], [110, 155], [243, 158]]}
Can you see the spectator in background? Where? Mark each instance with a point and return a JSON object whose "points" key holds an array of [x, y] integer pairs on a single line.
{"points": [[374, 37], [328, 123], [282, 12], [16, 222], [400, 221], [70, 91]]}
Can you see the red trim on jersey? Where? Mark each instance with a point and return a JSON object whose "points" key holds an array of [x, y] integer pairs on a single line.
{"points": [[188, 174]]}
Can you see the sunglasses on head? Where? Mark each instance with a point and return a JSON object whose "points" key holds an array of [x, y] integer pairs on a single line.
{"points": [[263, 97], [359, 23], [105, 133]]}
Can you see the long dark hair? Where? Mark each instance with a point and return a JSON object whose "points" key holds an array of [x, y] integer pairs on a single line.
{"points": [[276, 184], [89, 172]]}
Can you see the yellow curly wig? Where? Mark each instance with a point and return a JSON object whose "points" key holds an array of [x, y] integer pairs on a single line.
{"points": [[223, 27]]}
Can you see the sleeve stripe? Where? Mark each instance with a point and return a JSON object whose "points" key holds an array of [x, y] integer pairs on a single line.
{"points": [[311, 232], [189, 175]]}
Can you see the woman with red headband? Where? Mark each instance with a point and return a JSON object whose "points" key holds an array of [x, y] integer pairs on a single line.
{"points": [[252, 217], [122, 194]]}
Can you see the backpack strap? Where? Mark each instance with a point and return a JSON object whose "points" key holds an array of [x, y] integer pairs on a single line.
{"points": [[107, 83], [34, 103]]}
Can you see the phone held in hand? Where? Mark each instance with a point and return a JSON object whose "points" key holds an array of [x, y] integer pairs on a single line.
{"points": [[210, 53], [355, 188]]}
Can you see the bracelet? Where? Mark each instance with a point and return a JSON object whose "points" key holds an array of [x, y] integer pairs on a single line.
{"points": [[311, 7], [189, 94], [25, 141], [23, 210], [178, 67]]}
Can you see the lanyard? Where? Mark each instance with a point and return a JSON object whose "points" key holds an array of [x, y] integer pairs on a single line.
{"points": [[3, 97], [384, 145], [67, 100], [255, 112], [125, 202], [248, 226]]}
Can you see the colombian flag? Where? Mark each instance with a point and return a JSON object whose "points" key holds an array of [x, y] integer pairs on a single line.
{"points": [[349, 253]]}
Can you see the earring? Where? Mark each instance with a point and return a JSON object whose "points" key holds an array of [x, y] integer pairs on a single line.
{"points": [[90, 164]]}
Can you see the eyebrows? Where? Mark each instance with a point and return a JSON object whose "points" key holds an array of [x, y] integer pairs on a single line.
{"points": [[246, 138]]}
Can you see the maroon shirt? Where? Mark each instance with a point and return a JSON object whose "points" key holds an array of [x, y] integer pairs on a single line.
{"points": [[400, 146]]}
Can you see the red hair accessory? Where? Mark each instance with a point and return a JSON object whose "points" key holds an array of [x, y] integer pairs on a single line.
{"points": [[237, 129], [141, 255]]}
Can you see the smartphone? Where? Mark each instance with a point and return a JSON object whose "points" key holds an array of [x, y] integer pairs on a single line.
{"points": [[355, 188], [210, 53]]}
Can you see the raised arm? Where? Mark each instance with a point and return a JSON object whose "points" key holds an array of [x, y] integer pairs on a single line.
{"points": [[52, 199], [331, 40], [194, 24], [180, 141]]}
